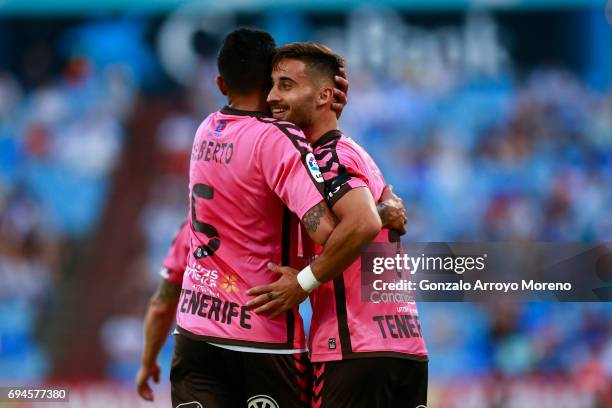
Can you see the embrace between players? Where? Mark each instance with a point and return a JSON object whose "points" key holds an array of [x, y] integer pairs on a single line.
{"points": [[240, 339]]}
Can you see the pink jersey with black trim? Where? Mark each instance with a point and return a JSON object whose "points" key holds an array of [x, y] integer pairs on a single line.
{"points": [[173, 265], [343, 326], [247, 175]]}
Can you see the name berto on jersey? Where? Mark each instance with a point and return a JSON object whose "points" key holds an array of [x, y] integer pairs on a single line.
{"points": [[212, 150]]}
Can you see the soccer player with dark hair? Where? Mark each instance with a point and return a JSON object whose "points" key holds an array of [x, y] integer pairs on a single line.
{"points": [[364, 354], [249, 176]]}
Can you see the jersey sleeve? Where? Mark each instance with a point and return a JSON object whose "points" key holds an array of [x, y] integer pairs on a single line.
{"points": [[290, 168], [175, 262], [349, 173]]}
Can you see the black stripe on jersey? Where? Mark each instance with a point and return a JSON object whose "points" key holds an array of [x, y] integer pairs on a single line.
{"points": [[321, 156], [283, 126], [327, 145], [285, 259], [290, 328], [345, 334], [286, 237], [337, 187], [332, 135], [300, 143], [343, 328]]}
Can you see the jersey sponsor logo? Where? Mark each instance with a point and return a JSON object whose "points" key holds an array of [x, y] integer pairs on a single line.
{"points": [[331, 343], [204, 279], [229, 283], [262, 401], [192, 404], [313, 167]]}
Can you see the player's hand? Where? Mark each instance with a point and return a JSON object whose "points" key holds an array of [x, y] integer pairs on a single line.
{"points": [[340, 93], [393, 213], [280, 296], [142, 380]]}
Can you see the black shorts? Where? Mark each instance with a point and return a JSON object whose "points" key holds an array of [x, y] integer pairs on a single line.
{"points": [[379, 382], [207, 376]]}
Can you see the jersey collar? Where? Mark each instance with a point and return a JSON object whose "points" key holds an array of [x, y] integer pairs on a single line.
{"points": [[327, 137], [227, 110]]}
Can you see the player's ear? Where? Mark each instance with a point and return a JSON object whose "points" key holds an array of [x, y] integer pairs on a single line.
{"points": [[221, 85], [325, 96]]}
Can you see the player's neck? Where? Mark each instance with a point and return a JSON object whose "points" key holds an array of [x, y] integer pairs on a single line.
{"points": [[252, 103], [321, 126]]}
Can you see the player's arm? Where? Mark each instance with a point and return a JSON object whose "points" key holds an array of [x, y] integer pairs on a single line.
{"points": [[358, 224], [319, 222], [162, 309], [159, 319], [392, 211]]}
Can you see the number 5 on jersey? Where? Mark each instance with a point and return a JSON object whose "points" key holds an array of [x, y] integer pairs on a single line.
{"points": [[205, 192]]}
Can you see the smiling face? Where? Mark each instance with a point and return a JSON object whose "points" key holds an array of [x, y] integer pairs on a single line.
{"points": [[293, 95]]}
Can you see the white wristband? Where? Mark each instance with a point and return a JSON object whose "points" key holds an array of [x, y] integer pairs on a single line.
{"points": [[307, 280]]}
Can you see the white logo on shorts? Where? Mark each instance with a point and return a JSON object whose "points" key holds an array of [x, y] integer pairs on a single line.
{"points": [[262, 401], [192, 404]]}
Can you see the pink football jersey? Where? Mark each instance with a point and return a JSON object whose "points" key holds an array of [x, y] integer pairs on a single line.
{"points": [[343, 326], [173, 265], [247, 176]]}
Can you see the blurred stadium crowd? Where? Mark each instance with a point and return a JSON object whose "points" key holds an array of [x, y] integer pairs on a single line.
{"points": [[59, 143], [484, 158]]}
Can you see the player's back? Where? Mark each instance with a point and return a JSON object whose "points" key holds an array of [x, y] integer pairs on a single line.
{"points": [[245, 171]]}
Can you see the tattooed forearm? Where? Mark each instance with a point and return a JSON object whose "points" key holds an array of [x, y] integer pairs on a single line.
{"points": [[312, 218], [384, 210], [167, 291]]}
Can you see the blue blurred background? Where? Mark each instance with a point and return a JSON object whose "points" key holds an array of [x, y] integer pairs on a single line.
{"points": [[491, 118]]}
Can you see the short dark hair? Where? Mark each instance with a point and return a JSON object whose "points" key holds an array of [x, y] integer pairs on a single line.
{"points": [[244, 60], [316, 57]]}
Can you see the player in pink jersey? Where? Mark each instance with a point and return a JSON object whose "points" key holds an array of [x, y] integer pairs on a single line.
{"points": [[162, 307], [364, 354], [248, 175], [161, 311]]}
